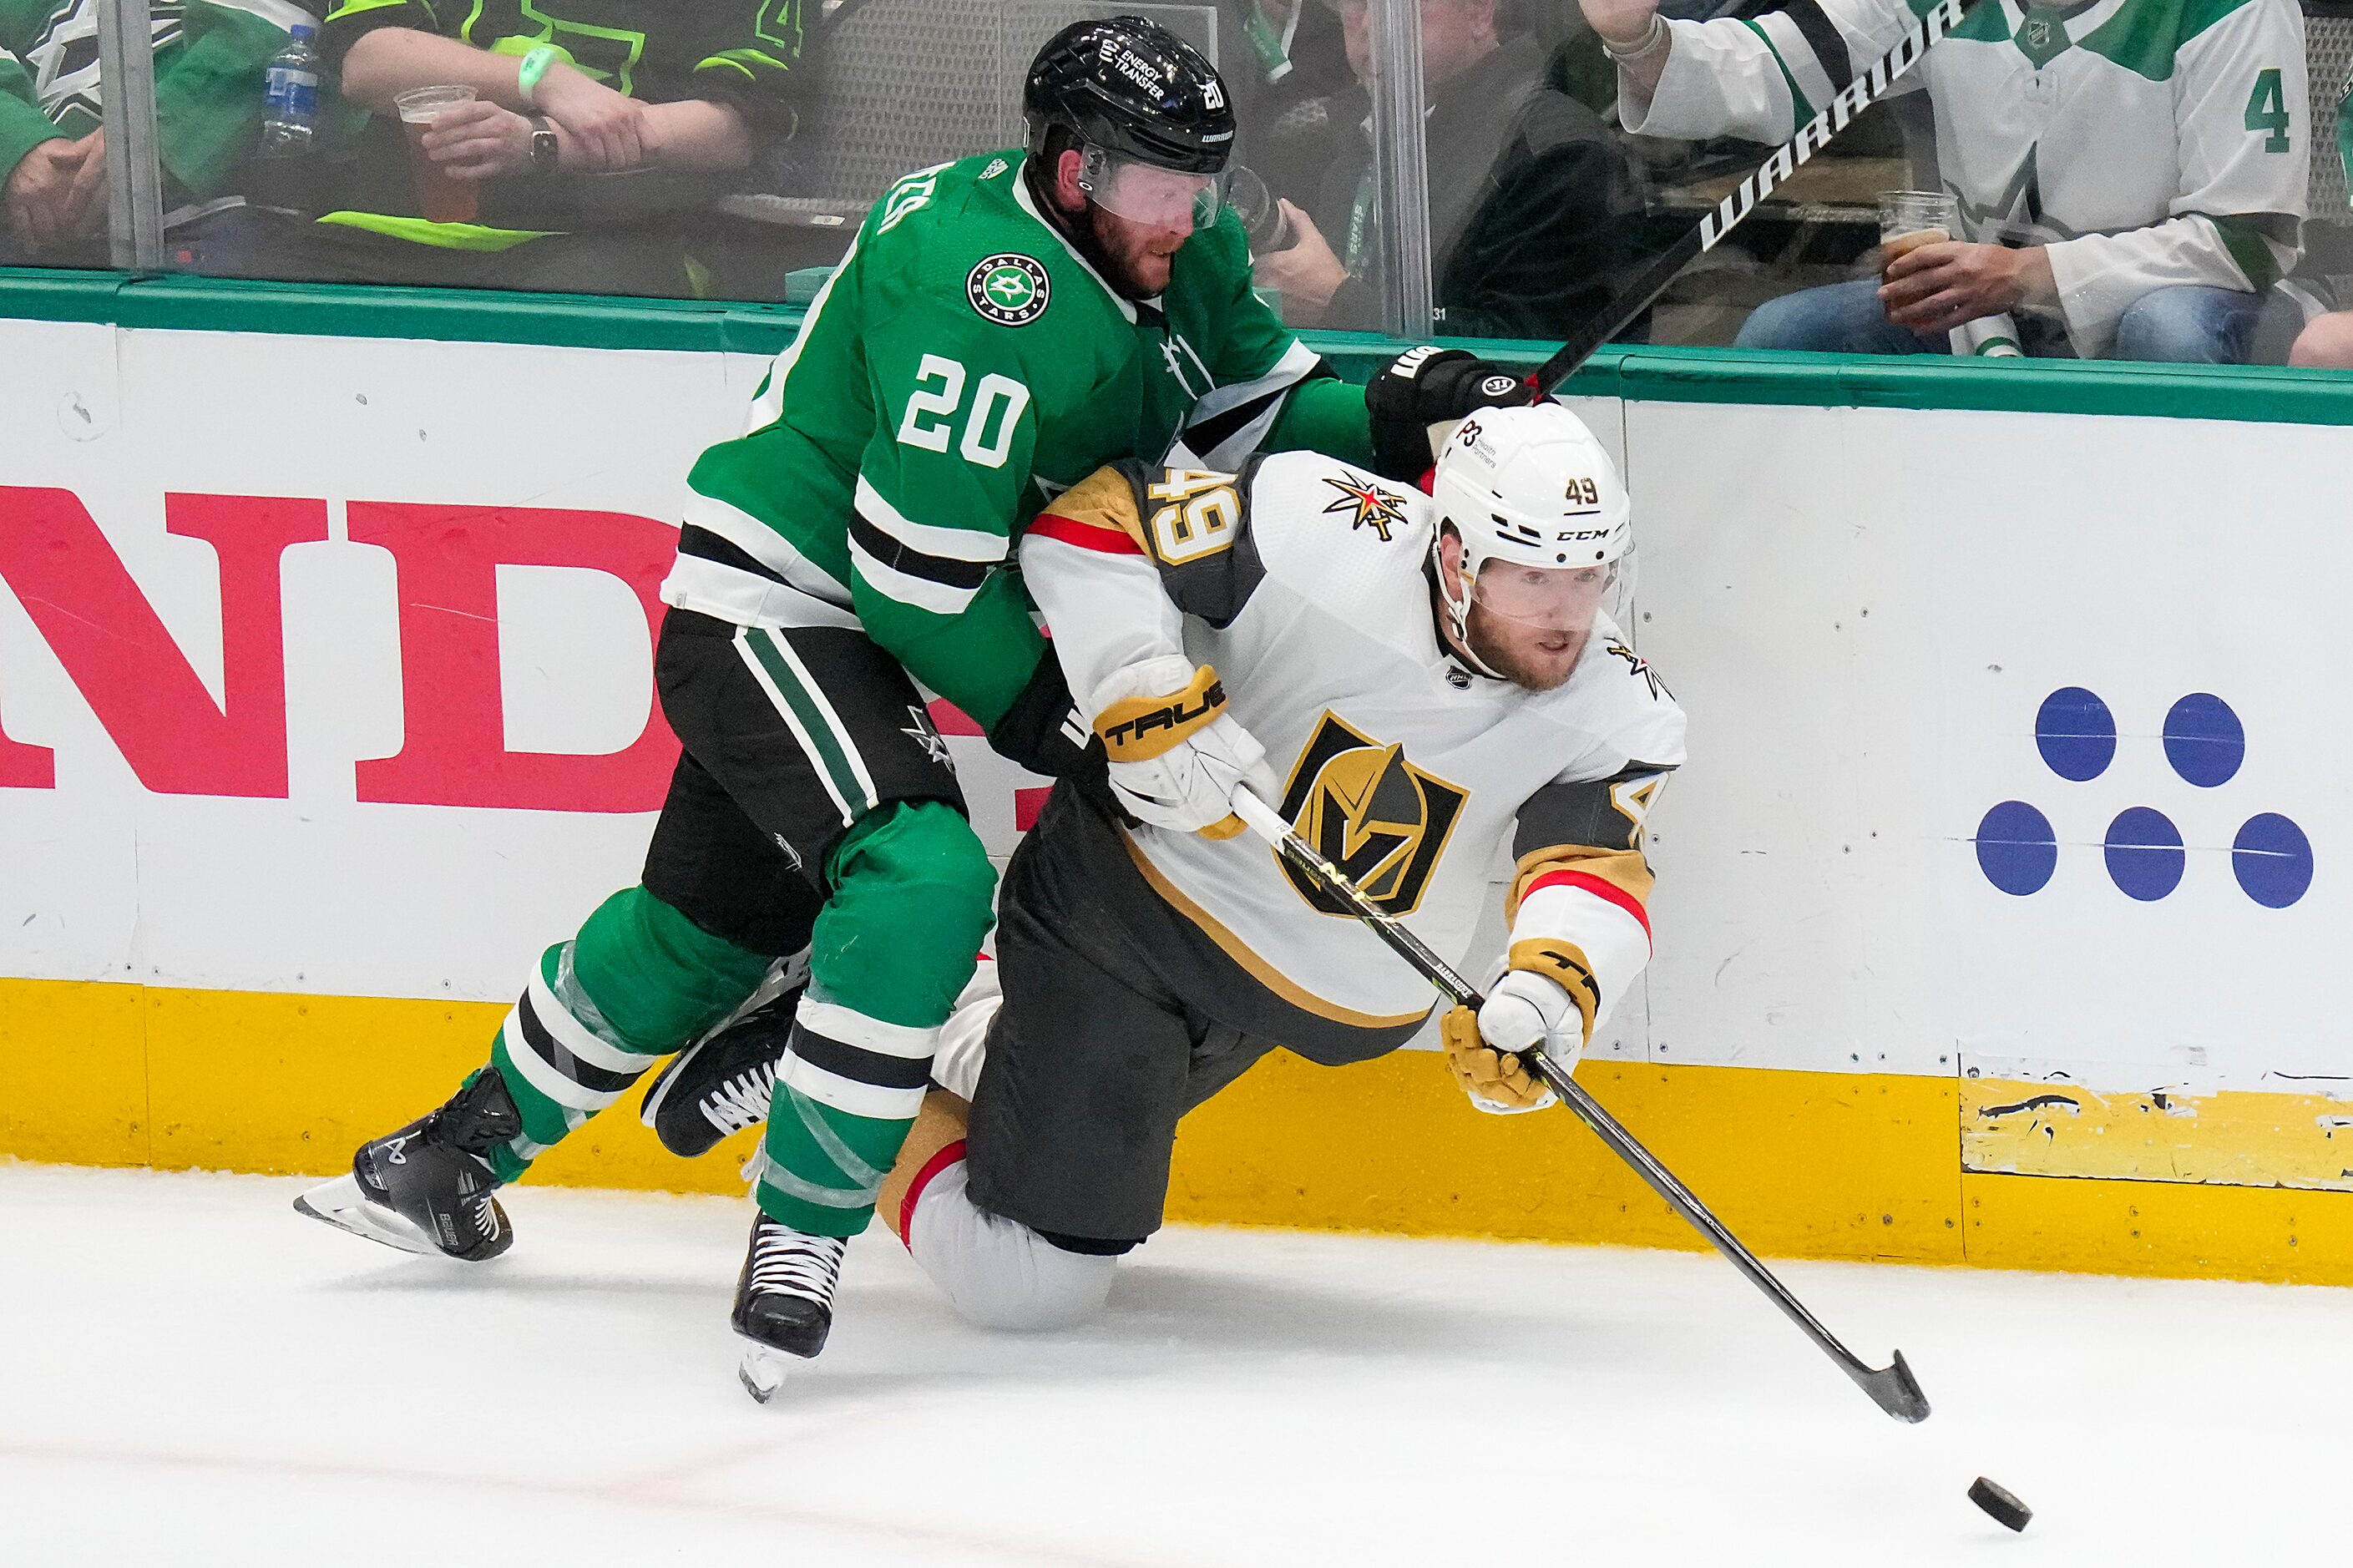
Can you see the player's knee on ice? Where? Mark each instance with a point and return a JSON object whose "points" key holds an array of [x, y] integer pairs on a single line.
{"points": [[913, 897], [998, 1273]]}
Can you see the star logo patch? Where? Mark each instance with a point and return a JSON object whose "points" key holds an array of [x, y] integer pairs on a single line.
{"points": [[1374, 507], [920, 731], [1008, 288], [1637, 664]]}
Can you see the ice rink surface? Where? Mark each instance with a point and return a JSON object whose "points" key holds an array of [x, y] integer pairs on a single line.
{"points": [[191, 1373]]}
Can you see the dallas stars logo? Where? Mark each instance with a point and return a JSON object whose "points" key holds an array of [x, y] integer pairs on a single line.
{"points": [[924, 735], [1008, 288], [1375, 508]]}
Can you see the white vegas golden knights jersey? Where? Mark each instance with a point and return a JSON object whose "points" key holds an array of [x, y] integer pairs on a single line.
{"points": [[1302, 581]]}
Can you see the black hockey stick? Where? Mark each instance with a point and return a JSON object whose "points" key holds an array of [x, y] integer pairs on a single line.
{"points": [[1852, 98], [1892, 1388]]}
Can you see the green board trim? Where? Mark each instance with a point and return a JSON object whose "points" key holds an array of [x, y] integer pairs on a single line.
{"points": [[2242, 394]]}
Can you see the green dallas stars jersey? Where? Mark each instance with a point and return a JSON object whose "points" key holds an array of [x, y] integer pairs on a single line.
{"points": [[963, 367]]}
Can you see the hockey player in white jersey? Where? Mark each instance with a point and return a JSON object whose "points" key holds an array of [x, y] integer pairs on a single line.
{"points": [[2130, 174], [1421, 684]]}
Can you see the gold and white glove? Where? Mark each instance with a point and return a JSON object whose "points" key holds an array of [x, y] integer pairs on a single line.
{"points": [[1545, 999], [1496, 1081], [1175, 755]]}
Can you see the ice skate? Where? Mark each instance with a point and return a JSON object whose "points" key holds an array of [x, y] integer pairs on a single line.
{"points": [[427, 1188], [720, 1084], [784, 1301]]}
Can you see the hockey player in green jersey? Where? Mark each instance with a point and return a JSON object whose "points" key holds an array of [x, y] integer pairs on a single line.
{"points": [[1001, 327]]}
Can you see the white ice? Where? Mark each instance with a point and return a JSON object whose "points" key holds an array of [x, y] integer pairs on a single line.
{"points": [[191, 1373]]}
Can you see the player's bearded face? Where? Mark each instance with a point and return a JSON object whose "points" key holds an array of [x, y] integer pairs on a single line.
{"points": [[1136, 217], [1537, 658], [1137, 256], [1527, 623]]}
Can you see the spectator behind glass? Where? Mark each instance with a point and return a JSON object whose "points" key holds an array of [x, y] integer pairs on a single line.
{"points": [[209, 60], [2326, 341], [1276, 55], [2130, 173], [1528, 196], [683, 93]]}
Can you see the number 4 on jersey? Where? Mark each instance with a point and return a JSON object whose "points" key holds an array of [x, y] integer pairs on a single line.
{"points": [[2267, 109]]}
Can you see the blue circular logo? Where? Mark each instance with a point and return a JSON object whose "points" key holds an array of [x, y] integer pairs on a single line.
{"points": [[2204, 739], [2016, 848], [2144, 851], [2273, 860], [2076, 734]]}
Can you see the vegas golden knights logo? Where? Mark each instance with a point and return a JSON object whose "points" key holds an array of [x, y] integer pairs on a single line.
{"points": [[1371, 812]]}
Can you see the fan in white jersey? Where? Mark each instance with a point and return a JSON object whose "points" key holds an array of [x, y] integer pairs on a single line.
{"points": [[1424, 686], [2130, 174]]}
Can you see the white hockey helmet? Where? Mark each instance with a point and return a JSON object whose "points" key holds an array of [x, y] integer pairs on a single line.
{"points": [[1530, 488]]}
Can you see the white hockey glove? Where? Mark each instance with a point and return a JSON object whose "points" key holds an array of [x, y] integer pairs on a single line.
{"points": [[1176, 754]]}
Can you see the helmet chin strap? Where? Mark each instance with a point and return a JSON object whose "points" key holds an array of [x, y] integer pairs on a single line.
{"points": [[1457, 613]]}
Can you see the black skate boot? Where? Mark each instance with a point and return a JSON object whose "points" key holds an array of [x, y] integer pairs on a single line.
{"points": [[427, 1188], [720, 1083], [783, 1300]]}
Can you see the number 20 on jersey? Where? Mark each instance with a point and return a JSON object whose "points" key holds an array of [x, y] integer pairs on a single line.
{"points": [[997, 404]]}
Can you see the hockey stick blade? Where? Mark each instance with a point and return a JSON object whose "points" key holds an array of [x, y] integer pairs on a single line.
{"points": [[1892, 1388], [1852, 98]]}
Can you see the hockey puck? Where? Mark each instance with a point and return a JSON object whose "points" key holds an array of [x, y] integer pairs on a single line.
{"points": [[2000, 1502]]}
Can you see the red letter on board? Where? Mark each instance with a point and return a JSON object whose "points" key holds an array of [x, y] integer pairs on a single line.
{"points": [[126, 665], [453, 751]]}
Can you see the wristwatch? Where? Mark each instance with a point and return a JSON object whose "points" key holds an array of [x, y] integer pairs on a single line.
{"points": [[543, 150]]}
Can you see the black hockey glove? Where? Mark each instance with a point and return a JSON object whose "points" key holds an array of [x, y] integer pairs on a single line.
{"points": [[1428, 386], [1045, 733]]}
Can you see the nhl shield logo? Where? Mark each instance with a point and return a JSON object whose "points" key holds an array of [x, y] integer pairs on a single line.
{"points": [[1371, 812], [1010, 289]]}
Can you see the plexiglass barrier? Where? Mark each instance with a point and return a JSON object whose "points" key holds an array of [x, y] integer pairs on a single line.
{"points": [[2127, 179]]}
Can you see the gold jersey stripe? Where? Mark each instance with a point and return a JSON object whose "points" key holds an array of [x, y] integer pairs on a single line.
{"points": [[1103, 499], [1265, 974]]}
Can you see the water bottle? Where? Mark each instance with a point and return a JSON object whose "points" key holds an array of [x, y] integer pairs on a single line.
{"points": [[290, 94]]}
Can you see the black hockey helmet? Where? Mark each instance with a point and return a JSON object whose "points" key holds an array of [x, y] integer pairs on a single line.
{"points": [[1131, 87]]}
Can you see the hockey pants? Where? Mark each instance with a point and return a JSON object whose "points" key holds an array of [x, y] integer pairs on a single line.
{"points": [[813, 807]]}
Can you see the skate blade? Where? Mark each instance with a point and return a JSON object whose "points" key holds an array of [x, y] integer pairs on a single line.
{"points": [[763, 1371], [340, 1203]]}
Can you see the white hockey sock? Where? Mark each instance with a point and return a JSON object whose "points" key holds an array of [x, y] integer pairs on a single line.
{"points": [[998, 1273]]}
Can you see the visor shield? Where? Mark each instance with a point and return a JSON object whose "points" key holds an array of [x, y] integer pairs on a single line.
{"points": [[1553, 599], [1149, 194]]}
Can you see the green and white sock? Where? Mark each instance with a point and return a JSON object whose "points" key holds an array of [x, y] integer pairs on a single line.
{"points": [[898, 938], [638, 982]]}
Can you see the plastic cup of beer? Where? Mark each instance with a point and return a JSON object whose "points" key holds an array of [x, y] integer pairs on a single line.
{"points": [[1910, 219], [440, 197]]}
